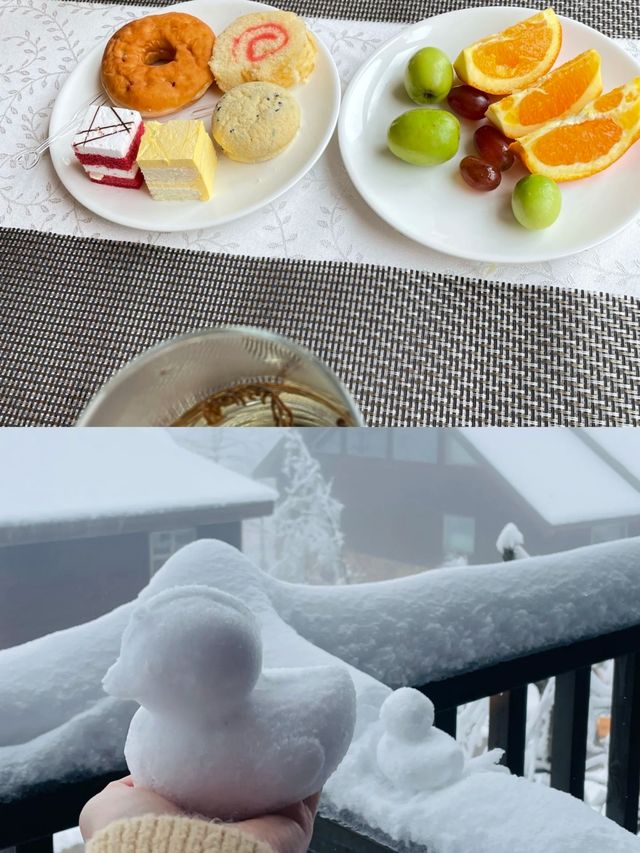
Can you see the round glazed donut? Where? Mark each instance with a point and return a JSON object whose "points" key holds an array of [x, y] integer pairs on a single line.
{"points": [[158, 64]]}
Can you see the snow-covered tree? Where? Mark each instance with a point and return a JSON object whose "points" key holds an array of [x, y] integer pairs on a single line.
{"points": [[307, 539]]}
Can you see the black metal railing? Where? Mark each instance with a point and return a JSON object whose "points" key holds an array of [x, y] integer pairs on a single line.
{"points": [[29, 821], [506, 683]]}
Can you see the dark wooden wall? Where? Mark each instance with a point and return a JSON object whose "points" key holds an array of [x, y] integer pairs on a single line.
{"points": [[395, 509], [51, 585], [48, 586]]}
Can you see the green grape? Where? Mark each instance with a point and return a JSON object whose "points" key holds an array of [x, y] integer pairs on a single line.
{"points": [[428, 76], [536, 202], [424, 137]]}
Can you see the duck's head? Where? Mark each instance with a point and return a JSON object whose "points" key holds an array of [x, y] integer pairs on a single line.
{"points": [[407, 714], [187, 648]]}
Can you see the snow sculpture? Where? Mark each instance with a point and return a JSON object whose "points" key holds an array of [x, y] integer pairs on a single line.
{"points": [[411, 753], [510, 543], [56, 722], [215, 734]]}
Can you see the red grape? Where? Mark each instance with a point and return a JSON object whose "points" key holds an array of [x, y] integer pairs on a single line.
{"points": [[468, 102], [479, 174], [493, 147]]}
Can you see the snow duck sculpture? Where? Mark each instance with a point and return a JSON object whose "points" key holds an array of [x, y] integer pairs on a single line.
{"points": [[215, 734], [412, 754]]}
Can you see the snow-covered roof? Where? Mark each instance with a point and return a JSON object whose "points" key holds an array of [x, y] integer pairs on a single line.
{"points": [[556, 473], [620, 446], [66, 483], [241, 450]]}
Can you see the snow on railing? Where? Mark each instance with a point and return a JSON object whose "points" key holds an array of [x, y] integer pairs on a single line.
{"points": [[446, 621], [555, 611]]}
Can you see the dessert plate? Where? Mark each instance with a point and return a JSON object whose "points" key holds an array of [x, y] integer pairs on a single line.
{"points": [[432, 204], [240, 188]]}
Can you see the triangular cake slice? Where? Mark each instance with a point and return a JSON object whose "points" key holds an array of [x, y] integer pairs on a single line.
{"points": [[107, 146]]}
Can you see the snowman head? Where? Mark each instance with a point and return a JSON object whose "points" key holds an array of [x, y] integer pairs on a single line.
{"points": [[407, 714], [192, 650]]}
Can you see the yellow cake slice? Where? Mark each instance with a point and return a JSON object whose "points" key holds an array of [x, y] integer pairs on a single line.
{"points": [[178, 160]]}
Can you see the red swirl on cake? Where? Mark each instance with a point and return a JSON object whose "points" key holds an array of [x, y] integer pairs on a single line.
{"points": [[268, 47], [260, 41]]}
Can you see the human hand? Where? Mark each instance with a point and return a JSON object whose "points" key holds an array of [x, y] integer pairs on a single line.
{"points": [[287, 831]]}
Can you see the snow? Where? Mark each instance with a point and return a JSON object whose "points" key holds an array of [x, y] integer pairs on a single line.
{"points": [[216, 734], [43, 725], [556, 473], [68, 841], [59, 482], [45, 682], [304, 536], [407, 715], [622, 445], [510, 543], [425, 627], [412, 754], [241, 451], [486, 810]]}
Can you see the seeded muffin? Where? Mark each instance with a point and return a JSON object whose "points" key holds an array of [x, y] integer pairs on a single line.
{"points": [[255, 122], [272, 47]]}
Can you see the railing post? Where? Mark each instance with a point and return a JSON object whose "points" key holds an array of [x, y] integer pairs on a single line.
{"points": [[40, 845], [569, 737], [446, 719], [507, 726], [624, 746]]}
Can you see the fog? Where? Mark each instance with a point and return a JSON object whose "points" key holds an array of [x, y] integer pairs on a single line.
{"points": [[86, 516]]}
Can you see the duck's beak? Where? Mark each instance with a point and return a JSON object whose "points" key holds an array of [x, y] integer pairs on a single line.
{"points": [[115, 682]]}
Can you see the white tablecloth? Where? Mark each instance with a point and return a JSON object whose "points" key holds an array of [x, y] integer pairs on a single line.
{"points": [[323, 217]]}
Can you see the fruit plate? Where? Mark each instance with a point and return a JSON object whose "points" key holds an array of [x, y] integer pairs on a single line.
{"points": [[240, 188], [432, 204]]}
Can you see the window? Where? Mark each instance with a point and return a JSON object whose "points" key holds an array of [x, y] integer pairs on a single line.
{"points": [[415, 444], [455, 453], [459, 535], [371, 442], [608, 530]]}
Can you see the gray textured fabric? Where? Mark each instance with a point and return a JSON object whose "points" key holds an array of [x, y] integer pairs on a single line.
{"points": [[414, 348], [615, 18]]}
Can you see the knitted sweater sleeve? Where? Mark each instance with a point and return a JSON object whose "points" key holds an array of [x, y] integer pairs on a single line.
{"points": [[173, 834]]}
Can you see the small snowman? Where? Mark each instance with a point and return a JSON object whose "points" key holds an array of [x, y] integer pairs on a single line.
{"points": [[412, 753]]}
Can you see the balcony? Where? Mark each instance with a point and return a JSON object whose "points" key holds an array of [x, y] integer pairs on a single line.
{"points": [[597, 631]]}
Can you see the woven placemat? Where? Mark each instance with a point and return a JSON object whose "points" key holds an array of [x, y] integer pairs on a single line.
{"points": [[414, 348], [614, 18]]}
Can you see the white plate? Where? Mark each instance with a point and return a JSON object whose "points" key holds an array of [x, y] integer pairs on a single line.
{"points": [[240, 188], [432, 204]]}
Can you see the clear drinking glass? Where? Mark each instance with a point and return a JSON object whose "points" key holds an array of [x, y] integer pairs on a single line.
{"points": [[230, 376]]}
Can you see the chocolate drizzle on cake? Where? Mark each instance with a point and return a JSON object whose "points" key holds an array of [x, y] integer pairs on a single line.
{"points": [[119, 127]]}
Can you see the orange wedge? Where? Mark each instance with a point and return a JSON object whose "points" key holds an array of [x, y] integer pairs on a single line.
{"points": [[514, 58], [563, 92], [582, 145]]}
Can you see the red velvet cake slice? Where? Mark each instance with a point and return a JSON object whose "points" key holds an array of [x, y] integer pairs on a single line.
{"points": [[107, 145]]}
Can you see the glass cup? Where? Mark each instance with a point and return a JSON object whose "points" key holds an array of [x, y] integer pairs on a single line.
{"points": [[229, 376]]}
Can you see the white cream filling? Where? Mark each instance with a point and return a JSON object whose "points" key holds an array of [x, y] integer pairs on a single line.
{"points": [[99, 172]]}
